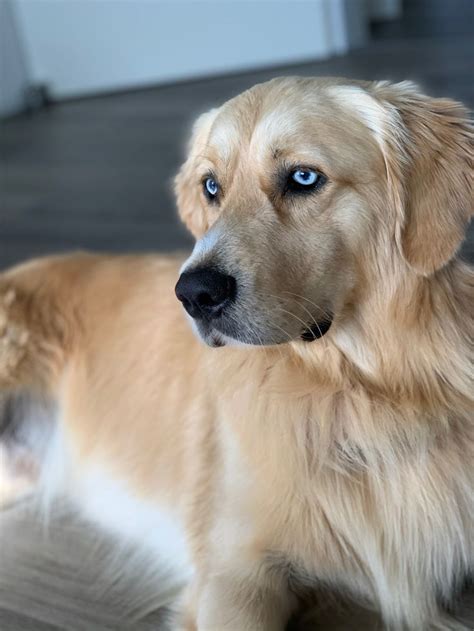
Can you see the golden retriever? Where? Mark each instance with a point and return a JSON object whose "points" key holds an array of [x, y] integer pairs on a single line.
{"points": [[329, 441]]}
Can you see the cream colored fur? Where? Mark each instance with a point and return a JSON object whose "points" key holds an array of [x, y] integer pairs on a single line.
{"points": [[290, 468]]}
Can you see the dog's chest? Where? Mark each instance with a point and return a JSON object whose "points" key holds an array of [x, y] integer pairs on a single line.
{"points": [[258, 495], [267, 501]]}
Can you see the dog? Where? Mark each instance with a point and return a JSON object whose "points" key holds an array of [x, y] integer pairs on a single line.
{"points": [[322, 436]]}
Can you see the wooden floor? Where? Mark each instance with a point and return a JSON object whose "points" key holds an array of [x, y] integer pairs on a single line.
{"points": [[97, 174]]}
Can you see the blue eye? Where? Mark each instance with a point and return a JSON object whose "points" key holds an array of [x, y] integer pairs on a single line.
{"points": [[303, 180], [211, 187], [304, 177]]}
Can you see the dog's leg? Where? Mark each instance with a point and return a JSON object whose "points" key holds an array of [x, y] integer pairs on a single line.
{"points": [[244, 599]]}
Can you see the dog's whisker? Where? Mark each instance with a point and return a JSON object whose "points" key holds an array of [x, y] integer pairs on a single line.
{"points": [[278, 298], [305, 324], [314, 321], [283, 310], [290, 338], [323, 311]]}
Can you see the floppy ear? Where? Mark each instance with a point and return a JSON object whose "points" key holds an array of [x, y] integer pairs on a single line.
{"points": [[186, 185], [437, 162]]}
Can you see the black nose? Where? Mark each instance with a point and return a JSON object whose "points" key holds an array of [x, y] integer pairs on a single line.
{"points": [[205, 292]]}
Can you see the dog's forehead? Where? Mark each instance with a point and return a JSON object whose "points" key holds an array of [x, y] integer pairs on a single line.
{"points": [[268, 124]]}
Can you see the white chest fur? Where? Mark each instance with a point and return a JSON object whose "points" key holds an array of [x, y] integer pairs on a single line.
{"points": [[111, 505]]}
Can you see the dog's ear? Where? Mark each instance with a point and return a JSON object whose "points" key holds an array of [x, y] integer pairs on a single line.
{"points": [[186, 185], [435, 147]]}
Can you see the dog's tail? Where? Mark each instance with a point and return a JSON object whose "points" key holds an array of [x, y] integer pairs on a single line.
{"points": [[38, 326]]}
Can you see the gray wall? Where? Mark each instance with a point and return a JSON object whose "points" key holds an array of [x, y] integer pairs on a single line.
{"points": [[85, 47], [14, 73]]}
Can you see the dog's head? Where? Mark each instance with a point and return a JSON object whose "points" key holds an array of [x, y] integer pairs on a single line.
{"points": [[301, 192]]}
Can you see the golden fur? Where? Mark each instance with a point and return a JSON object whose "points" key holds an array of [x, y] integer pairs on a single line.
{"points": [[345, 463]]}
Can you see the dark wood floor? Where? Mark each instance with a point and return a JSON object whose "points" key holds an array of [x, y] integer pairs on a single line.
{"points": [[97, 173]]}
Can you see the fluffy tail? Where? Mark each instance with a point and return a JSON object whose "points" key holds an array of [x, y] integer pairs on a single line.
{"points": [[35, 339]]}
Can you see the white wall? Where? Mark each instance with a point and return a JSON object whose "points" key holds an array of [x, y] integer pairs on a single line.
{"points": [[14, 75], [86, 46]]}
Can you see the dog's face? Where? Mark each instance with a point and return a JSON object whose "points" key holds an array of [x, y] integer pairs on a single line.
{"points": [[288, 187]]}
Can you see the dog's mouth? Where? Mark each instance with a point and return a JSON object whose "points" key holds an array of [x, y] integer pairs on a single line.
{"points": [[317, 330], [222, 332], [210, 335], [216, 338]]}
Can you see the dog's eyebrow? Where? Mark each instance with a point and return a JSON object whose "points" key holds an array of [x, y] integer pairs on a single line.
{"points": [[276, 153]]}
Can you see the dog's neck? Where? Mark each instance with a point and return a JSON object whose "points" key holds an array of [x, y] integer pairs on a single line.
{"points": [[410, 338], [413, 337], [402, 372], [390, 379]]}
